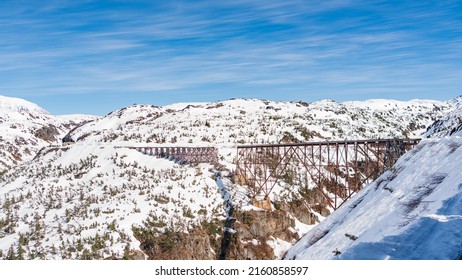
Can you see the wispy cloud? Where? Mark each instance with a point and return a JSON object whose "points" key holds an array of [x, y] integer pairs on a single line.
{"points": [[329, 47]]}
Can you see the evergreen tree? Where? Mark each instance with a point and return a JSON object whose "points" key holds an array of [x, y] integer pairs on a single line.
{"points": [[53, 249], [10, 255], [86, 255], [127, 252], [21, 252], [79, 245], [23, 240]]}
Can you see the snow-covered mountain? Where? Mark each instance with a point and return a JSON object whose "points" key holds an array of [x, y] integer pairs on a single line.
{"points": [[257, 121], [413, 211], [451, 124], [94, 199], [248, 121], [25, 128]]}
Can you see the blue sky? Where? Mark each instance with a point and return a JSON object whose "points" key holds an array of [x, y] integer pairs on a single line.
{"points": [[96, 56]]}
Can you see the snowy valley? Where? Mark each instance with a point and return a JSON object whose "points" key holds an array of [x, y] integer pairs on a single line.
{"points": [[90, 198]]}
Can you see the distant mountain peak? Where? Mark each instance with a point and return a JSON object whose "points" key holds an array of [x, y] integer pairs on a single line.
{"points": [[13, 104], [25, 128]]}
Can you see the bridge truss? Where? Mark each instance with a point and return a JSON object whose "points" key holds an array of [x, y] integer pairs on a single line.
{"points": [[337, 169], [184, 155]]}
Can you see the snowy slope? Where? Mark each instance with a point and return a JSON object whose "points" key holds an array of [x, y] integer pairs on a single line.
{"points": [[258, 121], [69, 196], [20, 109], [451, 124], [72, 196], [25, 128], [413, 211]]}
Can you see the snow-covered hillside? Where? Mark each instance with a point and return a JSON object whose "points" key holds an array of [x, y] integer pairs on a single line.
{"points": [[413, 211], [451, 124], [257, 121], [248, 121], [93, 199], [74, 196], [25, 128]]}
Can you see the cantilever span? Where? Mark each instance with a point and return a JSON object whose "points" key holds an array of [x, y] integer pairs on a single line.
{"points": [[182, 154], [337, 169]]}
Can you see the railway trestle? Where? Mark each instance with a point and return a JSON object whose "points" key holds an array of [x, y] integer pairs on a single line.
{"points": [[184, 155], [337, 169]]}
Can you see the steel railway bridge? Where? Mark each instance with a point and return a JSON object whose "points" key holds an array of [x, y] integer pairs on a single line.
{"points": [[184, 155], [337, 169]]}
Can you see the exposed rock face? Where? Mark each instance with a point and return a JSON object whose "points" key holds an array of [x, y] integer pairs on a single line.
{"points": [[304, 214], [47, 133], [178, 246], [249, 241], [199, 244], [305, 206], [255, 228]]}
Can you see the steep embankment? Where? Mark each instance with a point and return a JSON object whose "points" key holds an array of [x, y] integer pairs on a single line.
{"points": [[450, 124], [411, 212]]}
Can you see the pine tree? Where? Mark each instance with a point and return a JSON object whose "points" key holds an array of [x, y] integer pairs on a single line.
{"points": [[21, 252], [23, 240], [79, 245], [53, 249], [127, 252], [10, 255], [86, 255]]}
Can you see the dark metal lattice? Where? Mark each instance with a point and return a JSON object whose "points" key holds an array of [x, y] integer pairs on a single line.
{"points": [[338, 169], [184, 155]]}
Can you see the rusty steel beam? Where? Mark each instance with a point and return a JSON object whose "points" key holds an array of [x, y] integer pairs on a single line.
{"points": [[338, 169]]}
